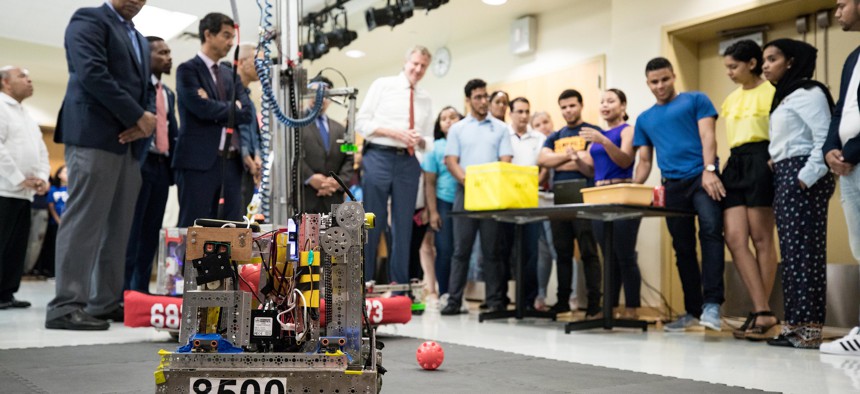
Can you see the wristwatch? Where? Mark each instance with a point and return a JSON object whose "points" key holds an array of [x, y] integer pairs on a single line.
{"points": [[711, 168]]}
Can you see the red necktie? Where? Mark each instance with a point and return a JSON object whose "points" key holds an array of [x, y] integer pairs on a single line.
{"points": [[411, 148], [161, 143]]}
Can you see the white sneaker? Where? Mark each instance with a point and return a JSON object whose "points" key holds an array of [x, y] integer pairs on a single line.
{"points": [[848, 345]]}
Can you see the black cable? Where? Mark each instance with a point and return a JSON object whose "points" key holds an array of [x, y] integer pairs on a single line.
{"points": [[671, 311], [342, 185], [319, 74]]}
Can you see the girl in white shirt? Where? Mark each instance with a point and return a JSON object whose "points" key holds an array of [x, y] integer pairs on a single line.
{"points": [[799, 121]]}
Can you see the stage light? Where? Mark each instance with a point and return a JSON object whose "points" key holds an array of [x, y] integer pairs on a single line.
{"points": [[390, 15], [317, 47], [429, 4], [340, 35], [339, 38]]}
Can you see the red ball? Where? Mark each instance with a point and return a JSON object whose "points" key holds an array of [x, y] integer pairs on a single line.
{"points": [[430, 355]]}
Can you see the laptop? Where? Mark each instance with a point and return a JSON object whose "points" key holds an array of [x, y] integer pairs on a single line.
{"points": [[569, 191]]}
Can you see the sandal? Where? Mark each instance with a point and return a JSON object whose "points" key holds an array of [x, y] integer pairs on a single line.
{"points": [[763, 332], [740, 332]]}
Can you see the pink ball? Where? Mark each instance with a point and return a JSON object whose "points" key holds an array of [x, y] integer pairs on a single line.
{"points": [[430, 355]]}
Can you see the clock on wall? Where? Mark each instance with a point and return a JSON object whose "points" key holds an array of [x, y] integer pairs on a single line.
{"points": [[441, 61]]}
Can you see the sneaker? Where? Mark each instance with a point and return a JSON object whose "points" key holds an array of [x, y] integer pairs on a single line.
{"points": [[683, 323], [848, 345], [710, 317]]}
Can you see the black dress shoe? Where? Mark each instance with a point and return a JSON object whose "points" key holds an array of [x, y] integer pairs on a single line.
{"points": [[497, 308], [560, 307], [450, 310], [118, 315], [780, 340], [77, 320], [13, 303]]}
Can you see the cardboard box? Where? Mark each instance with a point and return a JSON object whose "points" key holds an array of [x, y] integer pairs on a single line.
{"points": [[622, 193], [501, 185], [576, 143]]}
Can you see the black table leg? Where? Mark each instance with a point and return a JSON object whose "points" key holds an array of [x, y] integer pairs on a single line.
{"points": [[608, 321], [520, 311]]}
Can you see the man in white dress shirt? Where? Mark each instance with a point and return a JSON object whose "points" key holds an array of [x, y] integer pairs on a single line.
{"points": [[394, 118], [527, 144], [24, 172]]}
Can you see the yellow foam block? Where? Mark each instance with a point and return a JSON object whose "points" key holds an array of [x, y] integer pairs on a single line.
{"points": [[501, 185]]}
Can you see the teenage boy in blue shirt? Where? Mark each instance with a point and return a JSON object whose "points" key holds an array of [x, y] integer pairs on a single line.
{"points": [[680, 127], [476, 139]]}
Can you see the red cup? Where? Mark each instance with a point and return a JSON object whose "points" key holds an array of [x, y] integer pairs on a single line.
{"points": [[659, 198]]}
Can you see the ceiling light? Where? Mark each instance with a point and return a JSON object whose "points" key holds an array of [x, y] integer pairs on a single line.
{"points": [[495, 2], [354, 53], [391, 15], [154, 21]]}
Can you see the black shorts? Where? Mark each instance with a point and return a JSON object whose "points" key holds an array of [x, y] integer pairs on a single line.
{"points": [[747, 177]]}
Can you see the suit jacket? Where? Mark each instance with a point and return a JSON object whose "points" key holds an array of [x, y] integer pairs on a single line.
{"points": [[320, 159], [172, 128], [250, 134], [201, 120], [108, 89], [851, 150]]}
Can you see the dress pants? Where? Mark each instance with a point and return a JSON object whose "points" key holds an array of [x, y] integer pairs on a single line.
{"points": [[390, 174], [705, 286], [14, 231], [465, 232], [530, 235], [148, 217], [199, 192], [93, 235]]}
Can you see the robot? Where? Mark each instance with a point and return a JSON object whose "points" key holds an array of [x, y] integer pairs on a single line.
{"points": [[276, 338]]}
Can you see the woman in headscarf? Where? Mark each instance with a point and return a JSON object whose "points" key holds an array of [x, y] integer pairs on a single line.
{"points": [[799, 121]]}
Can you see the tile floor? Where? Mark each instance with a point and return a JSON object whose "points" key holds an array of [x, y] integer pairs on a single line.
{"points": [[698, 355]]}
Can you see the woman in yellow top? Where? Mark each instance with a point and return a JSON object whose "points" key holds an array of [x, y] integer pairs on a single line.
{"points": [[748, 206]]}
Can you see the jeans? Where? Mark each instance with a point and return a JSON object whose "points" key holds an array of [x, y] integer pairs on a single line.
{"points": [[624, 266], [444, 245], [849, 186], [688, 194]]}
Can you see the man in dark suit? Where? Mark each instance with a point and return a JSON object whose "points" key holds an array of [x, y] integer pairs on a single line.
{"points": [[156, 175], [252, 154], [203, 165], [320, 155], [104, 122]]}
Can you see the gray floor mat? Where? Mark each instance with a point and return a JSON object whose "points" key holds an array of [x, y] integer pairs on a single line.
{"points": [[128, 368]]}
